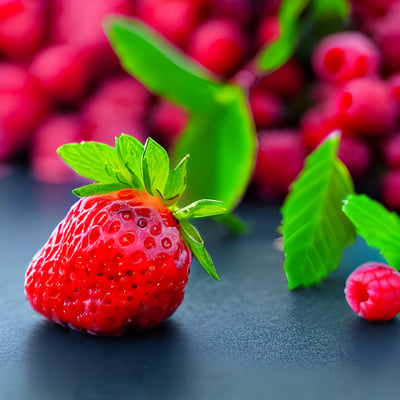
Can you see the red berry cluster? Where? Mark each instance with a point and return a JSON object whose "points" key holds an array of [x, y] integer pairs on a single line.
{"points": [[373, 291], [61, 82]]}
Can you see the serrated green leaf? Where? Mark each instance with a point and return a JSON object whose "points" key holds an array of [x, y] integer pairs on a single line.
{"points": [[155, 167], [96, 161], [130, 151], [222, 146], [98, 188], [176, 181], [315, 230], [201, 208], [196, 244], [160, 66], [277, 53], [379, 227]]}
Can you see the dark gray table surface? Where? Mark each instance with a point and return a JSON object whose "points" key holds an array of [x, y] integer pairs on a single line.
{"points": [[245, 337]]}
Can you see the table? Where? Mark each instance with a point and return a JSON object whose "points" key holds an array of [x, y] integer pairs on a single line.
{"points": [[245, 337]]}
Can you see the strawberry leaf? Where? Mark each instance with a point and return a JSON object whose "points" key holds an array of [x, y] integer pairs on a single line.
{"points": [[155, 167], [379, 227], [176, 182], [315, 230], [196, 244], [98, 188], [96, 161], [130, 151], [200, 209]]}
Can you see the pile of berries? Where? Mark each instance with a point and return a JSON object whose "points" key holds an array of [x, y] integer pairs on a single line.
{"points": [[61, 82]]}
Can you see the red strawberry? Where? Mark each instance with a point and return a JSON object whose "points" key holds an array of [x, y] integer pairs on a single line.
{"points": [[120, 259]]}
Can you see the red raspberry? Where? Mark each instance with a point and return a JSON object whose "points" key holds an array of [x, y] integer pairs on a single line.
{"points": [[218, 45], [168, 121], [344, 56], [394, 85], [174, 19], [369, 106], [373, 291], [64, 71], [23, 105], [390, 189], [239, 11], [391, 151], [22, 32], [266, 108], [356, 155], [268, 30], [57, 130], [280, 158], [286, 82]]}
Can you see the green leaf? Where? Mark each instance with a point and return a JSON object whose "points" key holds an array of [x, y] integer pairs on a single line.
{"points": [[161, 67], [130, 152], [96, 161], [155, 167], [98, 188], [277, 53], [222, 147], [379, 227], [176, 182], [196, 244], [315, 230], [200, 209]]}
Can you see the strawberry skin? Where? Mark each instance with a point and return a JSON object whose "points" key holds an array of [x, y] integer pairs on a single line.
{"points": [[116, 263]]}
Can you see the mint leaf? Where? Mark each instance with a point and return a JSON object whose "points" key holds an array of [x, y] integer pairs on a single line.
{"points": [[379, 227], [196, 244], [315, 230], [201, 208], [96, 161], [222, 147], [160, 66], [155, 167], [98, 188]]}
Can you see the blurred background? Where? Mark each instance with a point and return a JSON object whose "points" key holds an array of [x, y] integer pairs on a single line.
{"points": [[61, 82]]}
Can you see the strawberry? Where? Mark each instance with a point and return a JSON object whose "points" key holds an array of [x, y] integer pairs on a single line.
{"points": [[120, 259]]}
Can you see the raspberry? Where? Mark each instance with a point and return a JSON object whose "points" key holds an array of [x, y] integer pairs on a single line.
{"points": [[391, 151], [373, 291], [344, 56], [286, 82], [369, 106], [213, 40], [356, 155], [168, 121], [390, 189], [280, 158], [45, 163], [266, 108]]}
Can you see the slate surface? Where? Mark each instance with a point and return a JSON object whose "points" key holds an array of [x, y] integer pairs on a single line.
{"points": [[245, 337]]}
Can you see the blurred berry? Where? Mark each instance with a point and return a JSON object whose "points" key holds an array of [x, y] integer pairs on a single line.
{"points": [[280, 159], [343, 56], [266, 108], [390, 189], [213, 41], [356, 155]]}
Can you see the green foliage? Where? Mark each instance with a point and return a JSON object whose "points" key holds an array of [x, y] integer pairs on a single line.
{"points": [[220, 136], [379, 227], [315, 230]]}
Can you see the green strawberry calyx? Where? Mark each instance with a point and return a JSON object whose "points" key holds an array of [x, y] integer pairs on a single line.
{"points": [[130, 164]]}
